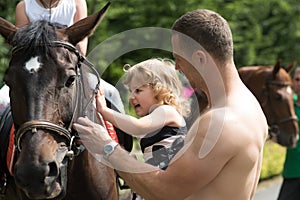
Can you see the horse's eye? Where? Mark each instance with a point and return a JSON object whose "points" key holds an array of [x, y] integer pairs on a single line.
{"points": [[70, 81]]}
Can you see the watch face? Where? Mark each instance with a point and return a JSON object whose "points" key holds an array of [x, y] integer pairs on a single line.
{"points": [[108, 149]]}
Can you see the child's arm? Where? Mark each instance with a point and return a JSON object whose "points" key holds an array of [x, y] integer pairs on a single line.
{"points": [[160, 117]]}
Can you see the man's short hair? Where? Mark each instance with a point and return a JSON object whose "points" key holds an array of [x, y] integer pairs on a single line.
{"points": [[210, 30]]}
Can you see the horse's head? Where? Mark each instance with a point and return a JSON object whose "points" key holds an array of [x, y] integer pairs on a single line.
{"points": [[272, 86], [43, 77]]}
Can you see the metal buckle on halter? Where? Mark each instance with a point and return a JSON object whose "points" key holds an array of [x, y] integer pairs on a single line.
{"points": [[74, 150]]}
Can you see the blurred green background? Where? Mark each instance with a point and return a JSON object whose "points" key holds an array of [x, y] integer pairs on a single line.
{"points": [[273, 160]]}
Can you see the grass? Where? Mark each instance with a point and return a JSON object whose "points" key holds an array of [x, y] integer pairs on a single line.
{"points": [[273, 160]]}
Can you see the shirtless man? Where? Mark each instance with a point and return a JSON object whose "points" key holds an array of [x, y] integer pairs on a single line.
{"points": [[222, 155]]}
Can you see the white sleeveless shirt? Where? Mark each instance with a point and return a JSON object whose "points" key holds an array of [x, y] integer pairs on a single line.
{"points": [[63, 13]]}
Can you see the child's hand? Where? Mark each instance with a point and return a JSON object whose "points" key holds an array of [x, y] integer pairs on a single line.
{"points": [[100, 100]]}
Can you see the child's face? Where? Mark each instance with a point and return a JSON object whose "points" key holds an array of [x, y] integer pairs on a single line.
{"points": [[142, 99]]}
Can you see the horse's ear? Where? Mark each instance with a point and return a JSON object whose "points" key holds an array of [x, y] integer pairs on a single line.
{"points": [[277, 68], [7, 30], [83, 28], [291, 66]]}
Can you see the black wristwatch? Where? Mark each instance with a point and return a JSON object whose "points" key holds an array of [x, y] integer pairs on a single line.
{"points": [[109, 149]]}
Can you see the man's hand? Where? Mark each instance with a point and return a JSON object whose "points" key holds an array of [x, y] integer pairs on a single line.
{"points": [[92, 135]]}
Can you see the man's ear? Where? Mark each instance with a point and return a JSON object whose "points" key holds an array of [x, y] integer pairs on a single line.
{"points": [[199, 57]]}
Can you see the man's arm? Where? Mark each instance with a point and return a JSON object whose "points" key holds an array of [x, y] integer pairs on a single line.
{"points": [[190, 170], [187, 173]]}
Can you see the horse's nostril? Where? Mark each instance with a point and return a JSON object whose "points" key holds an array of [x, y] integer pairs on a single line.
{"points": [[52, 173], [53, 169]]}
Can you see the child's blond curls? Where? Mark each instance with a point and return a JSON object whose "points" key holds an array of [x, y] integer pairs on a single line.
{"points": [[162, 76]]}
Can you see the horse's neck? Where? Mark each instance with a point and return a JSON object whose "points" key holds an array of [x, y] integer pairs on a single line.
{"points": [[247, 73]]}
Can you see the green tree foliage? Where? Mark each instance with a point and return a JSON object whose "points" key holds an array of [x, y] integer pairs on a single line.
{"points": [[7, 10], [263, 30]]}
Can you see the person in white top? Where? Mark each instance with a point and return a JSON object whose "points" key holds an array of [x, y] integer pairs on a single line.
{"points": [[65, 12]]}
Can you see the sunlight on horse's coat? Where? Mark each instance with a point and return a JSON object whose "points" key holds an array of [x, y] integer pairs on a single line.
{"points": [[33, 65]]}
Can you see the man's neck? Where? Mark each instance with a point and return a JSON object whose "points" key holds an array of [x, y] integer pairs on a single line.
{"points": [[221, 84]]}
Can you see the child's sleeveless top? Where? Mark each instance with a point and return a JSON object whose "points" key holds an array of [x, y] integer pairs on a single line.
{"points": [[160, 147]]}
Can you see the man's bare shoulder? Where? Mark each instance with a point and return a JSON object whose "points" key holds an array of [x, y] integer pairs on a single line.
{"points": [[210, 131], [226, 126]]}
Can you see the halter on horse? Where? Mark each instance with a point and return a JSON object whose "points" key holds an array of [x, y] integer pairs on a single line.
{"points": [[272, 87], [47, 82]]}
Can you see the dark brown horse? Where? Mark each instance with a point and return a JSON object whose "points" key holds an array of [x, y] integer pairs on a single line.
{"points": [[46, 79], [272, 86]]}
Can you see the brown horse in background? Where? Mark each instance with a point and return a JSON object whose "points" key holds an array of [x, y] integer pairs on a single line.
{"points": [[46, 79], [272, 86]]}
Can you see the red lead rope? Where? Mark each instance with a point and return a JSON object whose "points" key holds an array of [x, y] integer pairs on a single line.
{"points": [[11, 151], [111, 130]]}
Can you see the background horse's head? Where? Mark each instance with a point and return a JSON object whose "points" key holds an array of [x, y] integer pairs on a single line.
{"points": [[272, 86], [43, 76]]}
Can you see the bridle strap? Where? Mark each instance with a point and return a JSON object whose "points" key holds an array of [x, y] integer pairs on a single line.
{"points": [[34, 125], [278, 83], [81, 59], [292, 118], [68, 46]]}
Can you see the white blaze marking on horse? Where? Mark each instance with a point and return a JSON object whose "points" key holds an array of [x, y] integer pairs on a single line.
{"points": [[33, 65], [289, 90]]}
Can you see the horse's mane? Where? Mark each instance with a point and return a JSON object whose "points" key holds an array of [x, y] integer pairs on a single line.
{"points": [[36, 36]]}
